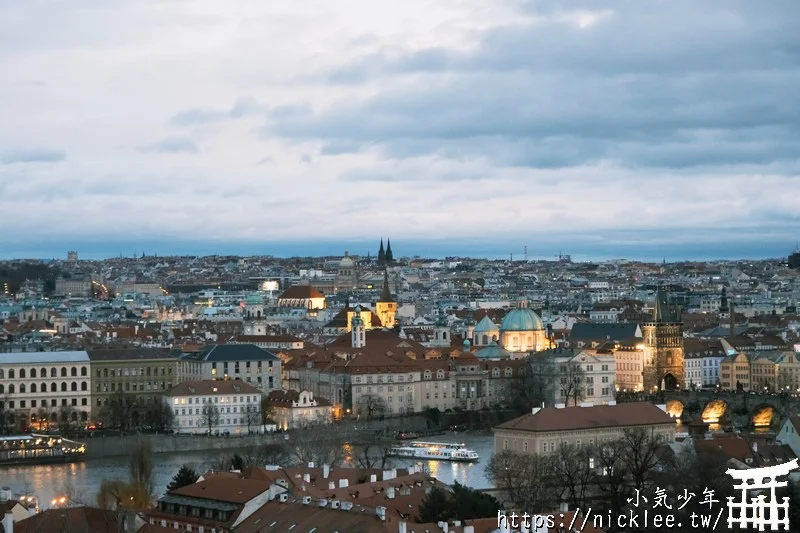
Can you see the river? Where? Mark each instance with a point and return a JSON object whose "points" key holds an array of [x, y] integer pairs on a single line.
{"points": [[81, 481]]}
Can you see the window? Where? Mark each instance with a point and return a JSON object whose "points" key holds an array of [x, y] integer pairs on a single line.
{"points": [[73, 372], [21, 373], [63, 371], [505, 444], [11, 374]]}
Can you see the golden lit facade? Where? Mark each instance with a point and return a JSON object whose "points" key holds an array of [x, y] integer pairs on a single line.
{"points": [[663, 348]]}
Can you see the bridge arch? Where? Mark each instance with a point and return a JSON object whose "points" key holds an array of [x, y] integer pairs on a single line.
{"points": [[763, 415], [675, 408], [715, 410]]}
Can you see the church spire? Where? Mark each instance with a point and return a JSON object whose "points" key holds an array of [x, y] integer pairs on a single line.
{"points": [[386, 294], [389, 256], [381, 254]]}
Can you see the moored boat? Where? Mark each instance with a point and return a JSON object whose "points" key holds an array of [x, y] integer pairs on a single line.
{"points": [[39, 449], [438, 451]]}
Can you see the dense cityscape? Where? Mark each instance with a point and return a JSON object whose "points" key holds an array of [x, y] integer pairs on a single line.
{"points": [[463, 266], [307, 381]]}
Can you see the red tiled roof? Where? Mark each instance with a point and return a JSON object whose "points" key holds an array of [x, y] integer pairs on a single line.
{"points": [[600, 416]]}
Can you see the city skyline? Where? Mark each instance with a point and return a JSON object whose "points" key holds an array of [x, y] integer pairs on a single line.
{"points": [[598, 128]]}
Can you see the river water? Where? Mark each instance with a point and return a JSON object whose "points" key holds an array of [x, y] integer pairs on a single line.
{"points": [[81, 481]]}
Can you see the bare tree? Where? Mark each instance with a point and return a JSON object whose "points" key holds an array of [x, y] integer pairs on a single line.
{"points": [[525, 478], [326, 447], [6, 417], [65, 419], [573, 473], [571, 382], [160, 416], [137, 492], [610, 472], [118, 413], [641, 455], [211, 417], [371, 406], [372, 450]]}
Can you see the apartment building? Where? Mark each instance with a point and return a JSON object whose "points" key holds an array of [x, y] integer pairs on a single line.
{"points": [[238, 362], [39, 389], [143, 374]]}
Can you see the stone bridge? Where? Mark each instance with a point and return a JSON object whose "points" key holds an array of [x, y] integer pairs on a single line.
{"points": [[740, 409]]}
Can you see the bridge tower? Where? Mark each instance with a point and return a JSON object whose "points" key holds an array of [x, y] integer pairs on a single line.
{"points": [[663, 347]]}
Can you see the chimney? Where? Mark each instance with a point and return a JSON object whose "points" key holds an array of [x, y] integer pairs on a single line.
{"points": [[306, 500], [469, 529], [390, 492], [307, 478], [755, 447], [5, 494], [344, 483], [283, 497], [402, 528], [311, 464], [380, 511], [412, 470], [373, 478], [732, 332], [326, 471], [563, 507], [331, 485], [8, 522]]}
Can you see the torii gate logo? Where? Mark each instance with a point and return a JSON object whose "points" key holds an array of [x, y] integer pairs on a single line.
{"points": [[760, 512]]}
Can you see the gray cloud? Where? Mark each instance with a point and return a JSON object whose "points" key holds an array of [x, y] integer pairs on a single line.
{"points": [[32, 155], [173, 145], [672, 85], [243, 107]]}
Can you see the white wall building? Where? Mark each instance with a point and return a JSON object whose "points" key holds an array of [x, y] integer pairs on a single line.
{"points": [[39, 388], [215, 407]]}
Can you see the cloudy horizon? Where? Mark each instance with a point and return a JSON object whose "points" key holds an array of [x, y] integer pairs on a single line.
{"points": [[595, 127]]}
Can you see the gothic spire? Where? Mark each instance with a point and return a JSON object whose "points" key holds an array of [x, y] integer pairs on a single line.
{"points": [[381, 254], [386, 294], [389, 256]]}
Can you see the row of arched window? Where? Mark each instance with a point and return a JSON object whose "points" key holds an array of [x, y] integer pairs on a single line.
{"points": [[43, 387], [73, 372]]}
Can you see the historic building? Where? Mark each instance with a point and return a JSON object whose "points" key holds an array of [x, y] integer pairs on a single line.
{"points": [[254, 320], [544, 431], [215, 407], [236, 362], [386, 307], [142, 374], [663, 347], [522, 331], [295, 409], [38, 389], [302, 297], [346, 274]]}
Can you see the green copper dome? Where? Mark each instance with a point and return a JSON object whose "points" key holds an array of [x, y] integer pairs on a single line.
{"points": [[521, 320]]}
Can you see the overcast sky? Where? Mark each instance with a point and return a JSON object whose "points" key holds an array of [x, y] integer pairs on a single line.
{"points": [[484, 124]]}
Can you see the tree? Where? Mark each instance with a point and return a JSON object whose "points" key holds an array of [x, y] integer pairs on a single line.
{"points": [[372, 450], [610, 473], [318, 447], [532, 387], [572, 473], [119, 410], [572, 382], [463, 503], [435, 507], [160, 416], [371, 406], [6, 417], [641, 455], [253, 419], [183, 477], [137, 492], [65, 419], [211, 417], [433, 417], [526, 478]]}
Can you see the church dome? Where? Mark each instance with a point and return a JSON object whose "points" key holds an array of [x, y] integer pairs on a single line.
{"points": [[493, 351], [346, 262], [521, 320]]}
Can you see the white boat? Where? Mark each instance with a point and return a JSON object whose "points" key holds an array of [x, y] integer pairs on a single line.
{"points": [[438, 451]]}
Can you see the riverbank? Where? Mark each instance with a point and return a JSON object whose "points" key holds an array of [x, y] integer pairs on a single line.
{"points": [[99, 446]]}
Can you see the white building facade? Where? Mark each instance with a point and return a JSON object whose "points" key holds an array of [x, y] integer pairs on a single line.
{"points": [[39, 390], [215, 407]]}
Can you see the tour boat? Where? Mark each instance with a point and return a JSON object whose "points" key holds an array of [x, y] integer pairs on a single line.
{"points": [[439, 451], [39, 449]]}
